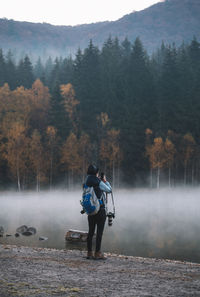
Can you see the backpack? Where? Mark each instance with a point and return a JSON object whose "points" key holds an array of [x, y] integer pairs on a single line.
{"points": [[90, 202]]}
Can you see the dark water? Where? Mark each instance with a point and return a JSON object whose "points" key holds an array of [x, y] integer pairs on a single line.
{"points": [[148, 223]]}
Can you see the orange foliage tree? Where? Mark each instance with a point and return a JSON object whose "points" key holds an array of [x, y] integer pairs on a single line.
{"points": [[36, 156], [51, 151], [157, 156], [110, 152], [40, 98], [17, 152], [170, 153], [70, 103], [70, 158]]}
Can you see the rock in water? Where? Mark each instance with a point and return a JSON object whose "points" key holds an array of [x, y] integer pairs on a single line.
{"points": [[29, 231], [1, 231], [22, 229], [26, 231], [43, 238]]}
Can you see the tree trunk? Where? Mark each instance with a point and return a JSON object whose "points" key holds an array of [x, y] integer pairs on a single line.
{"points": [[38, 181], [51, 172], [151, 178], [18, 175], [72, 186], [83, 172], [158, 178], [18, 182], [68, 180], [113, 174], [118, 177], [185, 174], [169, 177], [192, 174]]}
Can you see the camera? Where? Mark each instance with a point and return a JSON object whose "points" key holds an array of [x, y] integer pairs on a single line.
{"points": [[102, 176], [110, 216]]}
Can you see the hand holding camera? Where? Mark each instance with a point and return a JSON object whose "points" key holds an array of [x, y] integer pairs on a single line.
{"points": [[103, 177]]}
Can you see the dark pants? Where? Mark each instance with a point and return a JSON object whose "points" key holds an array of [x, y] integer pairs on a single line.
{"points": [[99, 220]]}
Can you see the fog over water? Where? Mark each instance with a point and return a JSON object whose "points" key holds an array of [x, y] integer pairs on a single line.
{"points": [[149, 223]]}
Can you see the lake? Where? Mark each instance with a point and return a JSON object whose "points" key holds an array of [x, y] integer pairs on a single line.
{"points": [[149, 223]]}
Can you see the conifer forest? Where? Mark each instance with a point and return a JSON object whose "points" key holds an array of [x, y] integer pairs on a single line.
{"points": [[135, 115]]}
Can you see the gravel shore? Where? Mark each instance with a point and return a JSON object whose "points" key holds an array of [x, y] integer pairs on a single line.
{"points": [[38, 272]]}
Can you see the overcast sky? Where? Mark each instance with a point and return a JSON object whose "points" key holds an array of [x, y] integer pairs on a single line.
{"points": [[70, 12]]}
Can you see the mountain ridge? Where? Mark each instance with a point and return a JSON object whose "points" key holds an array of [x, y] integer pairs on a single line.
{"points": [[169, 21]]}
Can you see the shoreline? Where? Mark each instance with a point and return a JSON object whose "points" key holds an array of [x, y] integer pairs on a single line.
{"points": [[41, 272]]}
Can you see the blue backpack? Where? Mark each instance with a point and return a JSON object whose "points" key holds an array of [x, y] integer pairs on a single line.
{"points": [[90, 202]]}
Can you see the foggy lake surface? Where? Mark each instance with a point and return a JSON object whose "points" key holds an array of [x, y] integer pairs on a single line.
{"points": [[149, 223]]}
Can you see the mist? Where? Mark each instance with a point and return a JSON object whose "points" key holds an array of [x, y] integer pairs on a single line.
{"points": [[149, 223]]}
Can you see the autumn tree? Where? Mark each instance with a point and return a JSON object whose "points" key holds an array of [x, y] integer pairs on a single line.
{"points": [[110, 152], [70, 158], [19, 106], [39, 101], [36, 156], [70, 104], [17, 153], [51, 151], [157, 157], [170, 152]]}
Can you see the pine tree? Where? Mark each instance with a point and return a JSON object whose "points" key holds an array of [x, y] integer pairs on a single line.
{"points": [[86, 81], [58, 117], [170, 92], [25, 73], [140, 109], [39, 70], [2, 69], [11, 71]]}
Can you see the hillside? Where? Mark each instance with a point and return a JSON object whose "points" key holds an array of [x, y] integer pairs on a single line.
{"points": [[169, 21]]}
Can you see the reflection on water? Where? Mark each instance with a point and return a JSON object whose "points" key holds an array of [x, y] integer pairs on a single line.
{"points": [[148, 223]]}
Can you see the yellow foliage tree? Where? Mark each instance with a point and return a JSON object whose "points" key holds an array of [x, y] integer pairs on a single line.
{"points": [[17, 152], [170, 152], [70, 158], [51, 147], [14, 107], [103, 119], [110, 152], [40, 98], [70, 103], [157, 156], [36, 156]]}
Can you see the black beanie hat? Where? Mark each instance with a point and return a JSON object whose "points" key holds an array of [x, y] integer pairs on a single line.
{"points": [[92, 169]]}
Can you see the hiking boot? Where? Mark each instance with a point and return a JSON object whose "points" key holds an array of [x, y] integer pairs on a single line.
{"points": [[99, 256], [90, 255]]}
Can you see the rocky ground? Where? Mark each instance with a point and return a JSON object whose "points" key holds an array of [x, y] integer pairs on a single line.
{"points": [[26, 271]]}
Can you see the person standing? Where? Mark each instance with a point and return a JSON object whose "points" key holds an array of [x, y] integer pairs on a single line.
{"points": [[101, 186]]}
